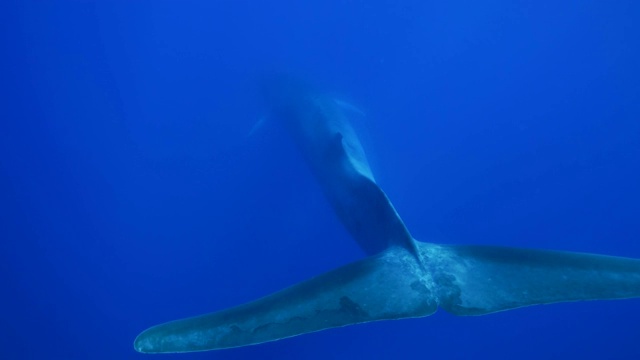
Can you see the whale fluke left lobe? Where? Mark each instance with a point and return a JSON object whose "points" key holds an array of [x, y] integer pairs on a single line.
{"points": [[376, 288]]}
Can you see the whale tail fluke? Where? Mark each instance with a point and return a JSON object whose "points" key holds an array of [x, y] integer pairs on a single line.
{"points": [[463, 280], [486, 279]]}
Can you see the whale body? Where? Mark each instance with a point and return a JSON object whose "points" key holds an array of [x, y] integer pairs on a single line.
{"points": [[401, 277]]}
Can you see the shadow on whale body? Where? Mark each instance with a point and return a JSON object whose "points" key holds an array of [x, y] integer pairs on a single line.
{"points": [[402, 278]]}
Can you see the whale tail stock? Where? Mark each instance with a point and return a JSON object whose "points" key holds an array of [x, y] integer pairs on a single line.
{"points": [[463, 280]]}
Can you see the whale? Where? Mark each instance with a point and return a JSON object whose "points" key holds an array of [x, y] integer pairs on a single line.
{"points": [[401, 277]]}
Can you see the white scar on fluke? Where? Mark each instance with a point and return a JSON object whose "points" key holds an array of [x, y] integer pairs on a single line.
{"points": [[402, 277]]}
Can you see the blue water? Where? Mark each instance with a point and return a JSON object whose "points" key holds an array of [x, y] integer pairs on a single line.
{"points": [[131, 194]]}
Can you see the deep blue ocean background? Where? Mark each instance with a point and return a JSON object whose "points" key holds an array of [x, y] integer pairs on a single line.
{"points": [[131, 193]]}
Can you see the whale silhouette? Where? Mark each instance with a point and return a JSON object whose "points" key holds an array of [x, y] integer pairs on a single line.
{"points": [[402, 277]]}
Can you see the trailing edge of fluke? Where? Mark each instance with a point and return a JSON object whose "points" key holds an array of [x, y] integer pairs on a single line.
{"points": [[402, 278]]}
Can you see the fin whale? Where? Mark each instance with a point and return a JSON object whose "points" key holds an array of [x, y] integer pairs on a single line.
{"points": [[402, 277]]}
